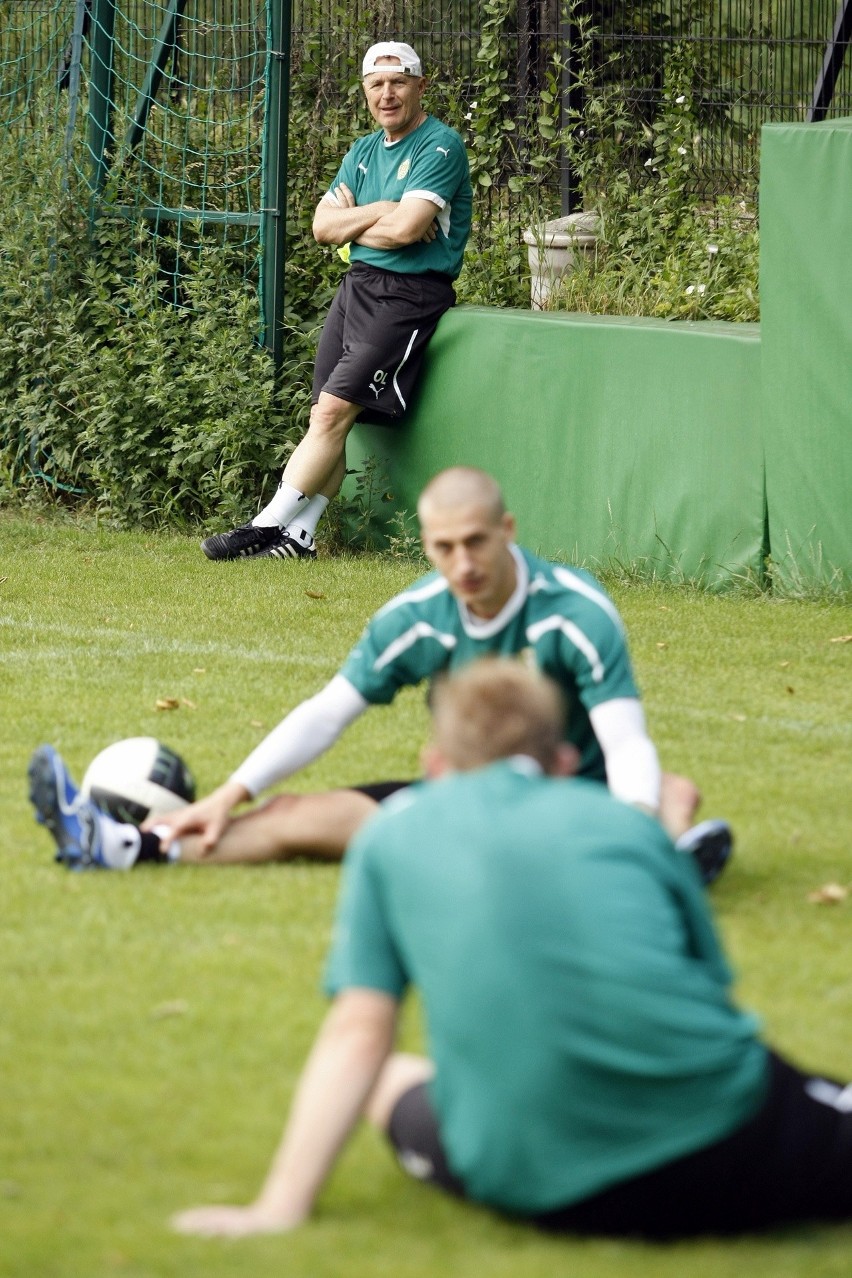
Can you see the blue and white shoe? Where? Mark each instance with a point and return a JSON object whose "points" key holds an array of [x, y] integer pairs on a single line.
{"points": [[74, 822], [711, 845]]}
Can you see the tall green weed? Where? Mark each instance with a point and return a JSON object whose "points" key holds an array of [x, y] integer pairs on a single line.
{"points": [[151, 403], [662, 251]]}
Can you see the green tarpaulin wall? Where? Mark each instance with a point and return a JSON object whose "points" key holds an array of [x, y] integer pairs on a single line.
{"points": [[806, 323], [683, 450], [629, 440]]}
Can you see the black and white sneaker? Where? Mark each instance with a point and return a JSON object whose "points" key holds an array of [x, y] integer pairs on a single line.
{"points": [[291, 545], [242, 542], [710, 844]]}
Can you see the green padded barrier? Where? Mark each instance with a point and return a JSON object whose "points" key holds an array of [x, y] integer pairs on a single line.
{"points": [[806, 324], [626, 440]]}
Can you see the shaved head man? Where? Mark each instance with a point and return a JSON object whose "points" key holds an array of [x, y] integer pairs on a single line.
{"points": [[486, 596]]}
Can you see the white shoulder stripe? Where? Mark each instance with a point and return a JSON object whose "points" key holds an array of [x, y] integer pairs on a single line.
{"points": [[416, 595], [420, 630], [570, 579], [575, 634]]}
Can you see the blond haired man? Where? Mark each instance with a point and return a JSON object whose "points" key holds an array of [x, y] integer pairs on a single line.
{"points": [[589, 1069]]}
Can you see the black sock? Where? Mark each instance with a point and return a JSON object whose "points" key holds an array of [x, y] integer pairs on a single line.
{"points": [[149, 849]]}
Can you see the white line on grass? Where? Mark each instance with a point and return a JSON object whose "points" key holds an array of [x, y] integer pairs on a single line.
{"points": [[838, 730], [120, 641]]}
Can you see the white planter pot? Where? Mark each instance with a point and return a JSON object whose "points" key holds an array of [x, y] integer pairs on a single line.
{"points": [[553, 248]]}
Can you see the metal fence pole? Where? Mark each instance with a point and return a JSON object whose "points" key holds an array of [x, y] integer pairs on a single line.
{"points": [[163, 50], [274, 208], [101, 92], [832, 63], [571, 102]]}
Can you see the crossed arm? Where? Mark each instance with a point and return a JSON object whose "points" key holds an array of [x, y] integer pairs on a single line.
{"points": [[384, 224], [341, 1071]]}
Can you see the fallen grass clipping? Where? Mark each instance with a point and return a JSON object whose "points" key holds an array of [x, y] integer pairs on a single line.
{"points": [[154, 1023]]}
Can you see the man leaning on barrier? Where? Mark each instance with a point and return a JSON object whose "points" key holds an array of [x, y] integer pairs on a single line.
{"points": [[402, 202]]}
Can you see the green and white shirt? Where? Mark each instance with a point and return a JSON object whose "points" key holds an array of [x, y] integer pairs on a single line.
{"points": [[430, 163], [559, 619]]}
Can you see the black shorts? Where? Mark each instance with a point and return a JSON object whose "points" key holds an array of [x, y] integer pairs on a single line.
{"points": [[374, 336], [791, 1162], [380, 790]]}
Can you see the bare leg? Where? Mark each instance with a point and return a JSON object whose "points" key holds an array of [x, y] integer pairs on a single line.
{"points": [[679, 800], [401, 1072], [289, 825], [332, 488], [317, 464]]}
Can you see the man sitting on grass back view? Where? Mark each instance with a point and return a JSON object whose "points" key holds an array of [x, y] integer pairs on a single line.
{"points": [[589, 1070], [488, 596]]}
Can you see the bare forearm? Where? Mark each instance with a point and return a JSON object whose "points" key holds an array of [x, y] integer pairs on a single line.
{"points": [[385, 234], [341, 1071], [335, 224], [338, 1077], [412, 221]]}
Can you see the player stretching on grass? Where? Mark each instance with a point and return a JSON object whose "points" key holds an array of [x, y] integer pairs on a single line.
{"points": [[589, 1072], [402, 199], [488, 596]]}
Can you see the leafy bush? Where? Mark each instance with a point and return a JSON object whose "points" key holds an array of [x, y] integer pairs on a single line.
{"points": [[131, 376], [153, 406], [660, 252]]}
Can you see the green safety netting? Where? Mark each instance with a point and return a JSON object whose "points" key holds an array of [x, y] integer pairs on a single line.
{"points": [[159, 106]]}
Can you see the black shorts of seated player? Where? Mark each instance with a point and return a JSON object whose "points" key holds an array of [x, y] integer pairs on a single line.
{"points": [[378, 791], [375, 335], [791, 1162]]}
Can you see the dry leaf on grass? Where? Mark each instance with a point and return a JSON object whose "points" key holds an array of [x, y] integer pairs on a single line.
{"points": [[315, 594], [828, 894], [841, 639], [166, 703]]}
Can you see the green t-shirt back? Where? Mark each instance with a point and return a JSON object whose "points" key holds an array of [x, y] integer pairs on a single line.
{"points": [[576, 999]]}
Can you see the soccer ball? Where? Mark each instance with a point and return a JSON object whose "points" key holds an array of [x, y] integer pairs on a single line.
{"points": [[137, 778]]}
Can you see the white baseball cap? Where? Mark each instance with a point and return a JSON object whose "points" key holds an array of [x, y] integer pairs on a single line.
{"points": [[408, 59]]}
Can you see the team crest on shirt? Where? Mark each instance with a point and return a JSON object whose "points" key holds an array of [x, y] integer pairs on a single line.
{"points": [[402, 171]]}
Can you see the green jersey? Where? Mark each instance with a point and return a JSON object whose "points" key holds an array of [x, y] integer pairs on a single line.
{"points": [[576, 999], [430, 162], [558, 618]]}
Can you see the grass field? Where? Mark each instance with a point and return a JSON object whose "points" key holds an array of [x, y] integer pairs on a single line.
{"points": [[153, 1024]]}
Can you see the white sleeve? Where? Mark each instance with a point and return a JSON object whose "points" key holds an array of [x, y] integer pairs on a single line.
{"points": [[632, 766], [302, 736]]}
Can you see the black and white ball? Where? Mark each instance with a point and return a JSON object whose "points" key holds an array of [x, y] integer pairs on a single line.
{"points": [[137, 778]]}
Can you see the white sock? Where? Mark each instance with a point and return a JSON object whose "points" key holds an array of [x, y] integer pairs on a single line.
{"points": [[173, 852], [309, 516], [285, 505], [119, 843]]}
